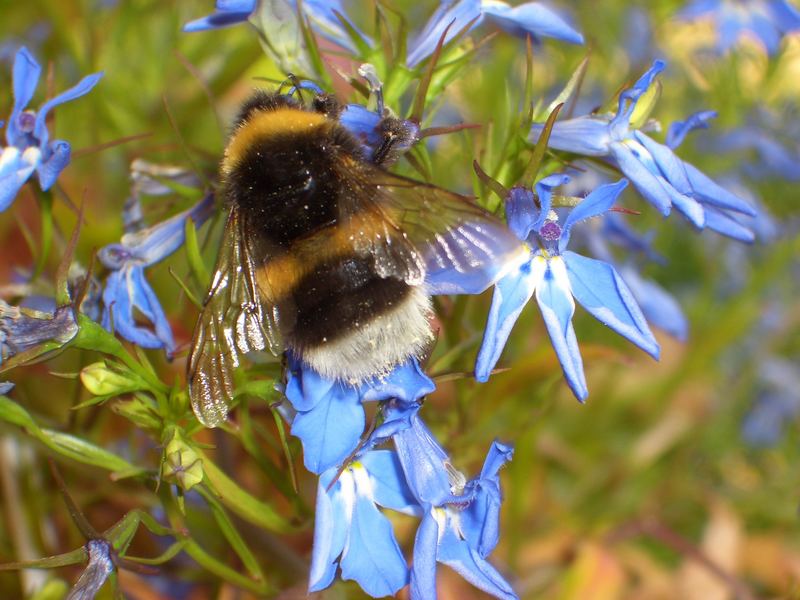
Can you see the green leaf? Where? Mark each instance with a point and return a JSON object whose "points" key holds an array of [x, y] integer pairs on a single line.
{"points": [[541, 145], [232, 535], [76, 557], [241, 502], [194, 256], [566, 93]]}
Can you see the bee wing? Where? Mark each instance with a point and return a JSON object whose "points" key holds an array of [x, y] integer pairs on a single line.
{"points": [[234, 320], [459, 246]]}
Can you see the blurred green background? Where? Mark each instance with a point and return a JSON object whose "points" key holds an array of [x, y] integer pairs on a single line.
{"points": [[649, 490]]}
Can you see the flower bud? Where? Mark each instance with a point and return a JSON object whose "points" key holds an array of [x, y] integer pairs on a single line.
{"points": [[101, 379], [182, 464]]}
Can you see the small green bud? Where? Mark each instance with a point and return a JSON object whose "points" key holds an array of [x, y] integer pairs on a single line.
{"points": [[103, 379], [181, 463]]}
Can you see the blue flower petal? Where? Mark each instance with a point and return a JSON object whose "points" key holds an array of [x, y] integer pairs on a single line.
{"points": [[305, 388], [556, 305], [511, 294], [721, 222], [26, 73], [457, 16], [424, 462], [423, 568], [544, 189], [680, 129], [14, 172], [331, 430], [216, 20], [49, 170], [406, 382], [595, 204], [480, 521], [126, 289], [467, 562], [712, 193], [389, 486], [600, 290], [82, 88], [629, 97], [521, 211], [372, 556], [531, 18], [586, 135], [653, 190], [331, 521]]}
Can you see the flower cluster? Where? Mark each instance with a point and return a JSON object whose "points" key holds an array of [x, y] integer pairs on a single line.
{"points": [[663, 179], [459, 519]]}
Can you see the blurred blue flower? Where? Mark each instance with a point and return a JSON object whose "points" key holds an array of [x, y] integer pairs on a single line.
{"points": [[320, 13], [765, 20], [776, 405], [350, 531], [662, 178], [29, 146], [777, 157], [557, 275], [330, 418], [659, 307], [460, 519], [126, 288], [530, 18]]}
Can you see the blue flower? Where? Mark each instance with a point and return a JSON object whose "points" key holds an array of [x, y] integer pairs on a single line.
{"points": [[557, 275], [330, 418], [662, 178], [776, 405], [351, 532], [460, 518], [765, 20], [531, 18], [27, 331], [29, 146], [320, 13], [126, 288]]}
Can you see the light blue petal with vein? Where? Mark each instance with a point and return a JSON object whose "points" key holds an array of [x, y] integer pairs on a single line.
{"points": [[423, 567], [557, 308], [511, 294], [600, 290], [595, 204], [331, 522]]}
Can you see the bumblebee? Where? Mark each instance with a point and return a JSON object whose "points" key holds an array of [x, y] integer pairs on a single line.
{"points": [[327, 255]]}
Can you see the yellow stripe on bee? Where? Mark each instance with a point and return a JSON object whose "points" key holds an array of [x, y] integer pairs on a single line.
{"points": [[268, 124], [277, 278]]}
